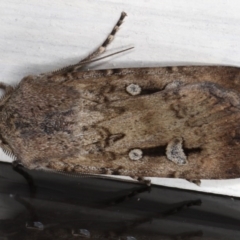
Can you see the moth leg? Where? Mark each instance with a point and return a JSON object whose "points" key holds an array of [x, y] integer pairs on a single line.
{"points": [[33, 222], [174, 208], [20, 169], [177, 207], [107, 41], [132, 194]]}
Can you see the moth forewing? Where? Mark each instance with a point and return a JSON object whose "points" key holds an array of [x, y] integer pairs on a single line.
{"points": [[176, 122]]}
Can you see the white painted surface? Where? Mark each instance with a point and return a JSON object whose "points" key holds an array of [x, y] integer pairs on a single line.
{"points": [[40, 36]]}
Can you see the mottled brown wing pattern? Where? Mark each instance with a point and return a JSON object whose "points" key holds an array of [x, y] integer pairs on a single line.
{"points": [[176, 122]]}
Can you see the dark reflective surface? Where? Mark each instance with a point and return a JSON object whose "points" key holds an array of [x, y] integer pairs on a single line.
{"points": [[55, 206]]}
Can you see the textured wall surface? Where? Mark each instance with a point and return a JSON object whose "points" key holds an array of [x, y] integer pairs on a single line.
{"points": [[37, 37]]}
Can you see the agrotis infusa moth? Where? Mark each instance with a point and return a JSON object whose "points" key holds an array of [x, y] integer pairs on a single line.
{"points": [[175, 122]]}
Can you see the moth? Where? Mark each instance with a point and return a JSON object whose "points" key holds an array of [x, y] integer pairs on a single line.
{"points": [[174, 122]]}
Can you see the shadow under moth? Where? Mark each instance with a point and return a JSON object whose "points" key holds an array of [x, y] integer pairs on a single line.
{"points": [[174, 122]]}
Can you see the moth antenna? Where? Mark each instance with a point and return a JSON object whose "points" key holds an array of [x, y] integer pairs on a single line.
{"points": [[99, 50], [109, 55], [8, 89], [76, 66], [107, 41], [8, 151]]}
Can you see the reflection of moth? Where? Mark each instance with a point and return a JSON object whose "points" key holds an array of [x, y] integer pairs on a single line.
{"points": [[177, 122]]}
